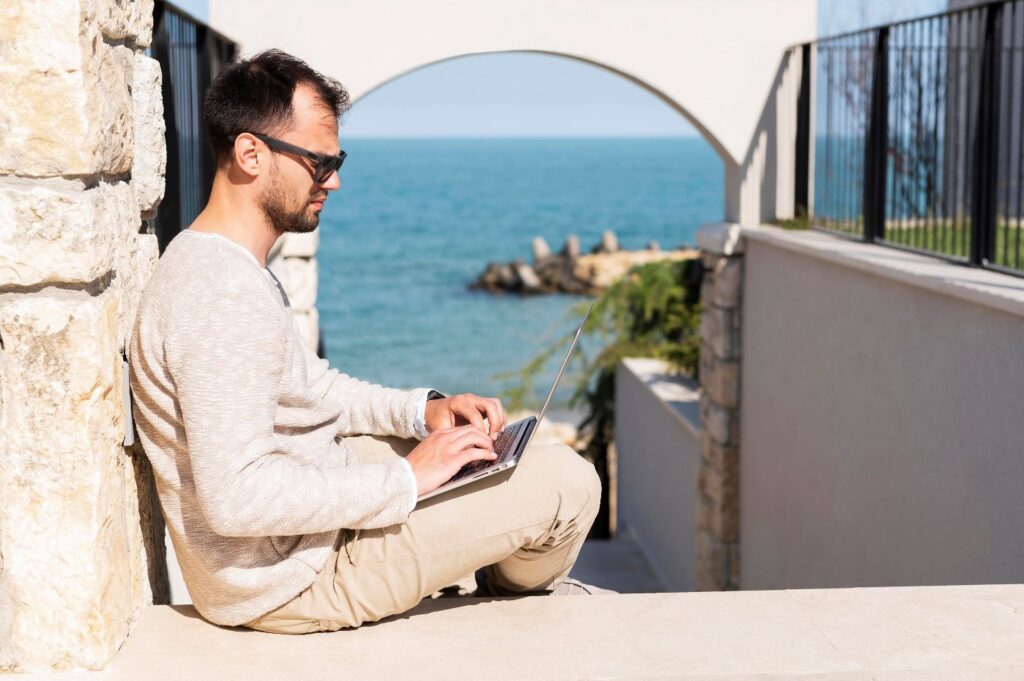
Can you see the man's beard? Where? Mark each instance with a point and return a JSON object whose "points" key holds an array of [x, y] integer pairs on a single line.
{"points": [[275, 207]]}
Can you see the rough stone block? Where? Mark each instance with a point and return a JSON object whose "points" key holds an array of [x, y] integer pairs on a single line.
{"points": [[721, 383], [706, 362], [717, 456], [719, 328], [705, 508], [300, 245], [150, 154], [705, 444], [136, 262], [728, 282], [712, 568], [71, 559], [66, 93], [724, 520], [54, 236], [719, 485], [300, 278], [707, 290], [718, 422], [141, 25], [130, 20]]}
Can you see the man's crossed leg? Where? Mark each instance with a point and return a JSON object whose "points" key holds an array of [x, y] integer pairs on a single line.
{"points": [[524, 527]]}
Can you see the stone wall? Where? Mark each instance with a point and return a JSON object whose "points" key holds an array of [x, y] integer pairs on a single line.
{"points": [[293, 261], [719, 475], [81, 164]]}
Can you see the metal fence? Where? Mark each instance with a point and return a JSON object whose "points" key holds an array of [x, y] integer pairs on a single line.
{"points": [[190, 55], [918, 135]]}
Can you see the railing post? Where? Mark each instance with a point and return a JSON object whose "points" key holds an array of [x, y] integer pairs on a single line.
{"points": [[803, 135], [984, 190], [875, 141]]}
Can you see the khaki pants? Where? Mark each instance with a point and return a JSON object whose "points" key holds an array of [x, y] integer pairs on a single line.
{"points": [[525, 527]]}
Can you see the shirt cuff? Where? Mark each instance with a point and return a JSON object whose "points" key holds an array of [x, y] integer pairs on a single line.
{"points": [[410, 503], [419, 423]]}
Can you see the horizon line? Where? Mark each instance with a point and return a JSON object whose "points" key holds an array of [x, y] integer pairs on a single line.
{"points": [[517, 136]]}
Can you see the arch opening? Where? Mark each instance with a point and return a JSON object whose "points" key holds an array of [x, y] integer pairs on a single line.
{"points": [[672, 103]]}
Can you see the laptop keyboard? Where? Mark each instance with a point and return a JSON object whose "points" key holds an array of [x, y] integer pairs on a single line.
{"points": [[502, 447]]}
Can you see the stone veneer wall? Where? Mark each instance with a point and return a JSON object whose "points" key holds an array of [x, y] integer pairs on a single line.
{"points": [[293, 261], [82, 158], [719, 476]]}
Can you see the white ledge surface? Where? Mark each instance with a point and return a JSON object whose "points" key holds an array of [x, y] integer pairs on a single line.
{"points": [[914, 633], [984, 287]]}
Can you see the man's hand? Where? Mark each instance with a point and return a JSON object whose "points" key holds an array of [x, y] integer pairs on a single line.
{"points": [[466, 409], [435, 460]]}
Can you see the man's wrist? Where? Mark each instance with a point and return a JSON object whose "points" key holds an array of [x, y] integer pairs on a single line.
{"points": [[420, 422]]}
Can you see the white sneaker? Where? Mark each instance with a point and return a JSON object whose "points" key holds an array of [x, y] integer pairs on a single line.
{"points": [[574, 587]]}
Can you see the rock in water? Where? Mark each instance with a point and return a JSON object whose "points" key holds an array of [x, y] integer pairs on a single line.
{"points": [[572, 246], [609, 242], [540, 249], [653, 246], [528, 278], [507, 278]]}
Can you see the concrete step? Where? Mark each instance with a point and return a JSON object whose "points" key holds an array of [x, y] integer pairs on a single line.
{"points": [[911, 633]]}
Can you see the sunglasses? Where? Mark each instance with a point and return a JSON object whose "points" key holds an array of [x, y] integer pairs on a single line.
{"points": [[325, 165]]}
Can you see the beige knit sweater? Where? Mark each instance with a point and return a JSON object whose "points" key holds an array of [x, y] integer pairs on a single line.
{"points": [[242, 424]]}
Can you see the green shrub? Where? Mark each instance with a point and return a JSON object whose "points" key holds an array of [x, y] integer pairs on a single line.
{"points": [[652, 311]]}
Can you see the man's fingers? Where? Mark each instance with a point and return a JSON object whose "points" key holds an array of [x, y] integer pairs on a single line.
{"points": [[471, 409], [476, 454], [495, 415], [470, 436]]}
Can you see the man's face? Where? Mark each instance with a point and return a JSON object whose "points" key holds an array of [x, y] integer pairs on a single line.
{"points": [[292, 199]]}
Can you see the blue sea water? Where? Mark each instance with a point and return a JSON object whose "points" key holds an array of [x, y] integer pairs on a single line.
{"points": [[416, 220]]}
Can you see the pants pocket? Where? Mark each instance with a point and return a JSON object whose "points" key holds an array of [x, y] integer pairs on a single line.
{"points": [[348, 549]]}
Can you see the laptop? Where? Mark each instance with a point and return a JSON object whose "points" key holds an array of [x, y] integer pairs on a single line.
{"points": [[512, 441]]}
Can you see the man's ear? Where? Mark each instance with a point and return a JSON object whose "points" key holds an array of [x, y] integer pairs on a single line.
{"points": [[249, 155]]}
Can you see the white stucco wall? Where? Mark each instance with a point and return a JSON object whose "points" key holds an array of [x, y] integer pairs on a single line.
{"points": [[882, 437], [656, 438], [715, 62]]}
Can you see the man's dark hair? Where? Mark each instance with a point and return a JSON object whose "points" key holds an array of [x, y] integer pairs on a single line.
{"points": [[255, 95]]}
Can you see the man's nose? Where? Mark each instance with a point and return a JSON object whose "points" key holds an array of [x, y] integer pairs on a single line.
{"points": [[332, 182]]}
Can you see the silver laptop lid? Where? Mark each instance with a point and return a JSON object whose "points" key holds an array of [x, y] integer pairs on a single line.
{"points": [[565, 363]]}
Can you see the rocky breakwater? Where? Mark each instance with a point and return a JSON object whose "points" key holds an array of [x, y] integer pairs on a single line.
{"points": [[569, 270]]}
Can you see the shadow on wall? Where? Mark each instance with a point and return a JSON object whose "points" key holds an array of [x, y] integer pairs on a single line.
{"points": [[151, 523], [761, 189]]}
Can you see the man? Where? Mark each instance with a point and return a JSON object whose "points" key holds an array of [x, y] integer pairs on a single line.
{"points": [[289, 488]]}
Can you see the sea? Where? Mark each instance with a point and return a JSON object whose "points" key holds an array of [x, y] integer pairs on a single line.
{"points": [[416, 220]]}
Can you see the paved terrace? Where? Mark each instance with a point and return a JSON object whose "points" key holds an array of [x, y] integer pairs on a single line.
{"points": [[918, 633]]}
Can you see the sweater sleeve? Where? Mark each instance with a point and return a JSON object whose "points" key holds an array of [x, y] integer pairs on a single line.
{"points": [[226, 357], [365, 408]]}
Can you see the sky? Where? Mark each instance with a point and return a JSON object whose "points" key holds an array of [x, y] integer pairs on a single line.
{"points": [[513, 95], [532, 95], [840, 16]]}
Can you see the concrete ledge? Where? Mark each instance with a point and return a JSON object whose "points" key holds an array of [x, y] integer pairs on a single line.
{"points": [[984, 287], [657, 439], [957, 632]]}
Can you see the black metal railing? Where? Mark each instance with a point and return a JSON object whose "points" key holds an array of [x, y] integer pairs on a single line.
{"points": [[918, 135], [190, 55]]}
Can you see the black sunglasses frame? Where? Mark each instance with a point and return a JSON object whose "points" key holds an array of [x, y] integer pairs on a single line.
{"points": [[325, 165]]}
